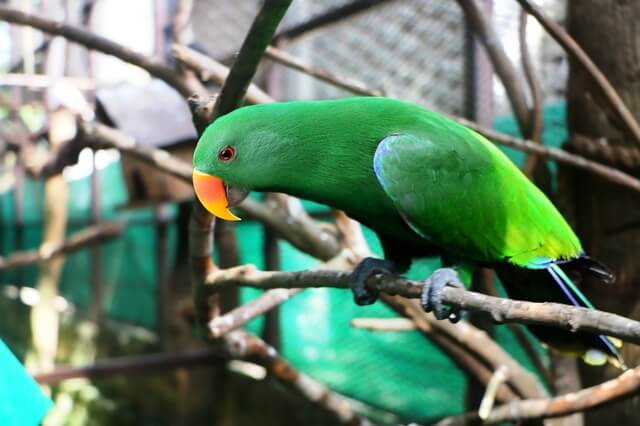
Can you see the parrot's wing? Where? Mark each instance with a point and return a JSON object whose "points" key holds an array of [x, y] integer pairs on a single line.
{"points": [[458, 190]]}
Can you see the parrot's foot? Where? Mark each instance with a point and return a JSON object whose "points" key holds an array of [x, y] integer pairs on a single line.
{"points": [[431, 298], [368, 267]]}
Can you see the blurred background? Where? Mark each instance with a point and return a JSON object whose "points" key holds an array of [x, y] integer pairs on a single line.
{"points": [[128, 296]]}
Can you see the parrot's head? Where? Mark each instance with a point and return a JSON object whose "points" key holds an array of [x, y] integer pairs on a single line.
{"points": [[240, 152]]}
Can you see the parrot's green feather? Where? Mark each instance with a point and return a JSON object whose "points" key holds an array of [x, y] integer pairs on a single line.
{"points": [[460, 191]]}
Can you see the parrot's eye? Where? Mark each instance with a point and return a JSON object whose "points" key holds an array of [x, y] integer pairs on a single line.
{"points": [[227, 154]]}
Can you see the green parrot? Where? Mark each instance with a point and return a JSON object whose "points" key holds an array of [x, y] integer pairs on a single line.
{"points": [[426, 185]]}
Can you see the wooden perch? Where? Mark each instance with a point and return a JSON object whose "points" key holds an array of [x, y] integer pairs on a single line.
{"points": [[627, 384], [501, 310], [89, 236]]}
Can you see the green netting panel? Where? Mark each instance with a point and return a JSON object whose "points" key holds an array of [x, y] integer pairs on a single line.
{"points": [[128, 264]]}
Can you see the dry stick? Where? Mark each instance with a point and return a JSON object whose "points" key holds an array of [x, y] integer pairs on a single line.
{"points": [[501, 310], [284, 58], [208, 69], [384, 324], [92, 235], [622, 386], [534, 132], [472, 340], [96, 42], [500, 61], [245, 346], [323, 20], [131, 365], [572, 48], [241, 315]]}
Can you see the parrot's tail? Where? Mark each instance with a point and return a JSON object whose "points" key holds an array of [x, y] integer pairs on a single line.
{"points": [[552, 284], [577, 298]]}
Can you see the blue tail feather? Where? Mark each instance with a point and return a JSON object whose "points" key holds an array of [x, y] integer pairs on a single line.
{"points": [[571, 291]]}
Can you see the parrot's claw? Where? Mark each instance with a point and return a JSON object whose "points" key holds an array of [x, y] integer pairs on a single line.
{"points": [[368, 267], [431, 297]]}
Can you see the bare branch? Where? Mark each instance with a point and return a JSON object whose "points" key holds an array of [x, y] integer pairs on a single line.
{"points": [[208, 69], [96, 42], [626, 384], [572, 48], [473, 341], [284, 58], [384, 324], [241, 315], [534, 132], [89, 236], [501, 310], [324, 20], [245, 346], [286, 216], [500, 61], [142, 364], [559, 155]]}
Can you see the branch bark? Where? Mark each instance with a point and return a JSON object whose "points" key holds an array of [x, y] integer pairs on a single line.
{"points": [[501, 310], [626, 384], [89, 236], [500, 61]]}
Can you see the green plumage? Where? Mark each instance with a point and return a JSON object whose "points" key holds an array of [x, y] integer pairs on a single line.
{"points": [[427, 185]]}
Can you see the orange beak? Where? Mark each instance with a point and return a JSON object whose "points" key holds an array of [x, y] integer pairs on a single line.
{"points": [[212, 195]]}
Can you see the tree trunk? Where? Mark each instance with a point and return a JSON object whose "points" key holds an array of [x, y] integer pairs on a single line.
{"points": [[606, 216]]}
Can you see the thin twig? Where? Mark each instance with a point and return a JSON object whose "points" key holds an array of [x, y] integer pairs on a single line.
{"points": [[500, 61], [622, 386], [284, 58], [96, 42], [536, 121], [208, 69], [324, 20], [572, 48], [89, 236], [498, 378], [241, 315], [245, 346], [384, 324], [142, 364], [501, 310]]}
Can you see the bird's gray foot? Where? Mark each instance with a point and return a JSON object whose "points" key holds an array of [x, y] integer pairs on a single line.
{"points": [[431, 298], [368, 267]]}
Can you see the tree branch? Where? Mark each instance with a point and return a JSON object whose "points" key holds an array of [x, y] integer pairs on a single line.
{"points": [[96, 42], [534, 132], [208, 69], [501, 310], [323, 20], [572, 48], [284, 58], [628, 383], [500, 61], [89, 236], [245, 346]]}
